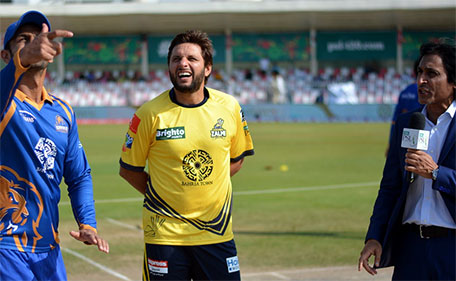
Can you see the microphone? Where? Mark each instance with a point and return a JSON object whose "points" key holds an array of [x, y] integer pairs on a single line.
{"points": [[415, 137]]}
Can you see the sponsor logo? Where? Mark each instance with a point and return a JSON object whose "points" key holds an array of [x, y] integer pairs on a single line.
{"points": [[156, 266], [21, 208], [170, 133], [197, 165], [60, 124], [134, 123], [232, 264], [218, 131], [246, 127], [46, 151], [128, 141], [242, 116], [27, 116]]}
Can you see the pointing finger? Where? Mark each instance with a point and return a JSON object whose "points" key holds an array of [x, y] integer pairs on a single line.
{"points": [[44, 28], [59, 33]]}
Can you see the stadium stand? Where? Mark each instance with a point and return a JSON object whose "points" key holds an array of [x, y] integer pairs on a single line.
{"points": [[110, 89], [329, 52]]}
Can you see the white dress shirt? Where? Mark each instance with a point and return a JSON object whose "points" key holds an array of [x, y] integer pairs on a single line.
{"points": [[424, 205]]}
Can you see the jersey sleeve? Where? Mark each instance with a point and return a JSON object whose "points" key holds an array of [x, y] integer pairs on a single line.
{"points": [[77, 174], [241, 144], [10, 77], [138, 139]]}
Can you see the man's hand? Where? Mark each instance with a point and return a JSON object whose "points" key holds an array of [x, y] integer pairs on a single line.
{"points": [[420, 163], [43, 47], [372, 247], [89, 237]]}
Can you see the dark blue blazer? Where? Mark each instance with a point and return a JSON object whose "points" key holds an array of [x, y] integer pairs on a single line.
{"points": [[389, 206]]}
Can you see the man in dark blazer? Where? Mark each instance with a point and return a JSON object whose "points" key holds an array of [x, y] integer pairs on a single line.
{"points": [[413, 225]]}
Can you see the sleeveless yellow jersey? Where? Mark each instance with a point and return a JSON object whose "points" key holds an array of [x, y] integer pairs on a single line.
{"points": [[188, 150]]}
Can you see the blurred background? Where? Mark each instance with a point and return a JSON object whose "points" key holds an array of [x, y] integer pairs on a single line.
{"points": [[315, 57]]}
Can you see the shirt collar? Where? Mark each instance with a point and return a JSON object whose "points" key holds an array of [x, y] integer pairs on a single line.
{"points": [[451, 110], [45, 97]]}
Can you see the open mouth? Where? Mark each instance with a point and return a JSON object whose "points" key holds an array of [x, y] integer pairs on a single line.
{"points": [[184, 74]]}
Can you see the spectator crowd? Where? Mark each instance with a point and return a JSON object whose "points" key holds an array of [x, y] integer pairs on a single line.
{"points": [[296, 85]]}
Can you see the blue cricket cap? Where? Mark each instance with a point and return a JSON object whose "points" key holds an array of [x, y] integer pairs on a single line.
{"points": [[33, 17]]}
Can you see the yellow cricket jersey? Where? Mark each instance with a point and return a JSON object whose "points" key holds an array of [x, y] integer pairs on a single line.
{"points": [[188, 151]]}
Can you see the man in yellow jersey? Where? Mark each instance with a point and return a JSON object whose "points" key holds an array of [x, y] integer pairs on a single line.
{"points": [[193, 139]]}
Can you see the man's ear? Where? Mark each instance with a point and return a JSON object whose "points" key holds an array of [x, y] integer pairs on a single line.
{"points": [[207, 70], [6, 56]]}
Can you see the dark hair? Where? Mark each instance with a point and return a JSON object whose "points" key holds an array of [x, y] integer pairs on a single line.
{"points": [[446, 51], [196, 37], [416, 63]]}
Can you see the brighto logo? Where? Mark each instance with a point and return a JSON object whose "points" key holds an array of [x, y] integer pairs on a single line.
{"points": [[170, 133]]}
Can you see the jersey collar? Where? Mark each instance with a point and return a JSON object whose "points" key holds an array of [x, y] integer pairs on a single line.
{"points": [[172, 96], [45, 98]]}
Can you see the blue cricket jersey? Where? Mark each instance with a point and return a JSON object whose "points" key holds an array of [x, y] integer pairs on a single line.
{"points": [[407, 101], [39, 145]]}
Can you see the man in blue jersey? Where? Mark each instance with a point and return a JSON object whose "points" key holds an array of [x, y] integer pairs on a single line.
{"points": [[39, 146], [407, 101]]}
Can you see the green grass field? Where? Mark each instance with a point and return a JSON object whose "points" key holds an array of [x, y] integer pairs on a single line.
{"points": [[314, 214]]}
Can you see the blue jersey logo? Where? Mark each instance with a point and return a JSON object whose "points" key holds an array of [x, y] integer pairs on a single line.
{"points": [[21, 208], [27, 116], [60, 124]]}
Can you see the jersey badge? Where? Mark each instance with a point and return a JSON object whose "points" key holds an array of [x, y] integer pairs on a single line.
{"points": [[134, 123], [27, 116], [128, 142], [60, 124], [218, 131]]}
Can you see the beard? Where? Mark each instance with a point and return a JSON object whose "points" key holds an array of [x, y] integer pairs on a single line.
{"points": [[197, 80]]}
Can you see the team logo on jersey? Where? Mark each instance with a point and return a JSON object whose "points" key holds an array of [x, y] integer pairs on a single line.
{"points": [[17, 214], [174, 133], [197, 165], [46, 151], [134, 123], [218, 131], [27, 116], [60, 124]]}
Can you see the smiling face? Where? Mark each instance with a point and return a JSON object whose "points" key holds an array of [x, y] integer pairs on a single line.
{"points": [[186, 68], [433, 87]]}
